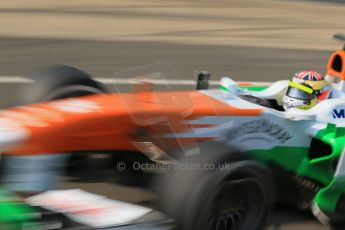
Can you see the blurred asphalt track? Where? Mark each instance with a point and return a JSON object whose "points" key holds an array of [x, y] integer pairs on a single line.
{"points": [[20, 57], [255, 40]]}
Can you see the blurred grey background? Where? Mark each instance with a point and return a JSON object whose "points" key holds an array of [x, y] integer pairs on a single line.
{"points": [[250, 40]]}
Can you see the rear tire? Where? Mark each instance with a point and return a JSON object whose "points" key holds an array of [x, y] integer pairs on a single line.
{"points": [[61, 81]]}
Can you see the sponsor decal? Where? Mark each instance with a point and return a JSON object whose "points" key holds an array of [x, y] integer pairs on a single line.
{"points": [[77, 106], [24, 118], [338, 113], [259, 127]]}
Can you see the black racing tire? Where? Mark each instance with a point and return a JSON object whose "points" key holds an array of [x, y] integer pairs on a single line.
{"points": [[238, 194], [61, 81]]}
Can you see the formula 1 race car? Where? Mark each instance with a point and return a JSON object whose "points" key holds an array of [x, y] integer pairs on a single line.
{"points": [[231, 153]]}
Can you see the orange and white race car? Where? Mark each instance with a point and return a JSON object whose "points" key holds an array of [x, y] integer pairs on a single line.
{"points": [[229, 140]]}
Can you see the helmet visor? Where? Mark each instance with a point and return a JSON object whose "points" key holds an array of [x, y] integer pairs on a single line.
{"points": [[299, 91], [298, 94]]}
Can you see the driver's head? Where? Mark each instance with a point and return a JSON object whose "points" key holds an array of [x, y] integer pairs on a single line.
{"points": [[299, 95], [321, 86]]}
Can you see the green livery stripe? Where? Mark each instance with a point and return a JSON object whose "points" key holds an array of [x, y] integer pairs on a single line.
{"points": [[249, 87], [12, 211], [295, 159], [254, 87], [327, 198]]}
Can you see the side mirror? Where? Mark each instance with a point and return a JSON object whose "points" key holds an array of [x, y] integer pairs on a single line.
{"points": [[340, 37], [203, 78]]}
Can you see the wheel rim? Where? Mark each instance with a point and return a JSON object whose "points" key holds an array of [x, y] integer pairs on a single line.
{"points": [[236, 205]]}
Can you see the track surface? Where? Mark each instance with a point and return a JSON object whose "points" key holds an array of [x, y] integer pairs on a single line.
{"points": [[20, 57]]}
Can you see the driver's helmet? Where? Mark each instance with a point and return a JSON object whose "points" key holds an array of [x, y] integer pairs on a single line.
{"points": [[321, 86], [299, 95]]}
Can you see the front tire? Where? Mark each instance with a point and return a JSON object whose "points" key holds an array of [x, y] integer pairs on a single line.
{"points": [[235, 200], [237, 194]]}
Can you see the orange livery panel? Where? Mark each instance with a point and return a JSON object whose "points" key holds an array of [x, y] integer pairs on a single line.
{"points": [[107, 121]]}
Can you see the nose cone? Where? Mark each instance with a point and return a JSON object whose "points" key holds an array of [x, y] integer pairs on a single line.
{"points": [[11, 133]]}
